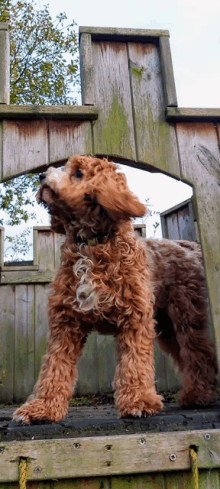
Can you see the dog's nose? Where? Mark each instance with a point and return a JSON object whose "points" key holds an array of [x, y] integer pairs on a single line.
{"points": [[42, 177]]}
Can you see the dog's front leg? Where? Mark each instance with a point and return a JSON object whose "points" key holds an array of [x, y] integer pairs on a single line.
{"points": [[135, 393], [58, 375]]}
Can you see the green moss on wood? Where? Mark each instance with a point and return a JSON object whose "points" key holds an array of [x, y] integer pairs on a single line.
{"points": [[115, 133]]}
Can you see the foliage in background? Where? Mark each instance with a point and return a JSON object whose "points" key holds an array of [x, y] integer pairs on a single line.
{"points": [[43, 70]]}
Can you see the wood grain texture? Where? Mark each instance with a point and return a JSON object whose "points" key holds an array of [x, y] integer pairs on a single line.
{"points": [[4, 64], [41, 294], [192, 114], [109, 455], [24, 342], [68, 138], [125, 33], [167, 72], [42, 112], [155, 138], [7, 352], [86, 69], [88, 368], [200, 166], [113, 131], [25, 146]]}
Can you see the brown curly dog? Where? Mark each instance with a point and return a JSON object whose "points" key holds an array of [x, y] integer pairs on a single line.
{"points": [[114, 283]]}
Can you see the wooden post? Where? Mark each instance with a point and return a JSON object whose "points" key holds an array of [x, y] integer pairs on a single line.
{"points": [[4, 64]]}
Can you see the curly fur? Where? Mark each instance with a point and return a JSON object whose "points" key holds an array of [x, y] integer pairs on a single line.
{"points": [[114, 283]]}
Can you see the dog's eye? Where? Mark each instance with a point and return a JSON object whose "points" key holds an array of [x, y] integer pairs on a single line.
{"points": [[78, 174]]}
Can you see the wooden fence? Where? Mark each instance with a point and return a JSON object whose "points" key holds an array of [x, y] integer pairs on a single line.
{"points": [[23, 326], [179, 222]]}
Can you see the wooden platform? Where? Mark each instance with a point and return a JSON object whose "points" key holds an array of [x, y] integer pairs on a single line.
{"points": [[93, 448]]}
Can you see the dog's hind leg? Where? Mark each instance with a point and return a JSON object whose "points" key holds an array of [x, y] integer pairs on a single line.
{"points": [[197, 359]]}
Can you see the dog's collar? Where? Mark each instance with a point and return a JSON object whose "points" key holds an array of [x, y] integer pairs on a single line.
{"points": [[93, 240]]}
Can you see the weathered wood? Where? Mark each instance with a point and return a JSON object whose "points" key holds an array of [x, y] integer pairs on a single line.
{"points": [[7, 352], [24, 342], [106, 353], [4, 64], [200, 162], [41, 294], [192, 114], [109, 455], [43, 112], [178, 222], [155, 138], [88, 368], [167, 72], [113, 131], [68, 138], [86, 69], [115, 33], [23, 144]]}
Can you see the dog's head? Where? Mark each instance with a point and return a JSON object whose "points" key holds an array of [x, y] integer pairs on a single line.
{"points": [[87, 193]]}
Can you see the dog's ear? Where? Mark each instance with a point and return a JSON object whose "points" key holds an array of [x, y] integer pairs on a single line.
{"points": [[117, 199]]}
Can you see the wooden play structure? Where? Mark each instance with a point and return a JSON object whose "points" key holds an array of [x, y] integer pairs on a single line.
{"points": [[130, 115]]}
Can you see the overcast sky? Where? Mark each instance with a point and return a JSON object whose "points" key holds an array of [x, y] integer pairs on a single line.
{"points": [[194, 28]]}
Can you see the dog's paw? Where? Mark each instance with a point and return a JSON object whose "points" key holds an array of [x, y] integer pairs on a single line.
{"points": [[40, 411], [196, 397], [145, 405]]}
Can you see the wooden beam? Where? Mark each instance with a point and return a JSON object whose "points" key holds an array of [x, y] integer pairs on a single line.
{"points": [[48, 112], [191, 114], [167, 70], [118, 33], [109, 455], [4, 64]]}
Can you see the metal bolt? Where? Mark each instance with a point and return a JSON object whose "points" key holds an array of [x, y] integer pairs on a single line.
{"points": [[207, 436], [142, 441], [38, 470], [172, 457]]}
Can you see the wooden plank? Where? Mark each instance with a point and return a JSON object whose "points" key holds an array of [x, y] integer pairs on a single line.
{"points": [[109, 455], [91, 483], [86, 69], [172, 227], [88, 368], [27, 277], [41, 299], [122, 33], [106, 352], [186, 224], [200, 162], [113, 131], [24, 342], [155, 138], [183, 480], [7, 343], [192, 114], [167, 71], [2, 239], [25, 145], [143, 481], [63, 112], [45, 248], [67, 138], [4, 64]]}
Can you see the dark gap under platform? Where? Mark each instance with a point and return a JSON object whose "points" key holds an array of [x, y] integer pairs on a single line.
{"points": [[102, 420]]}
